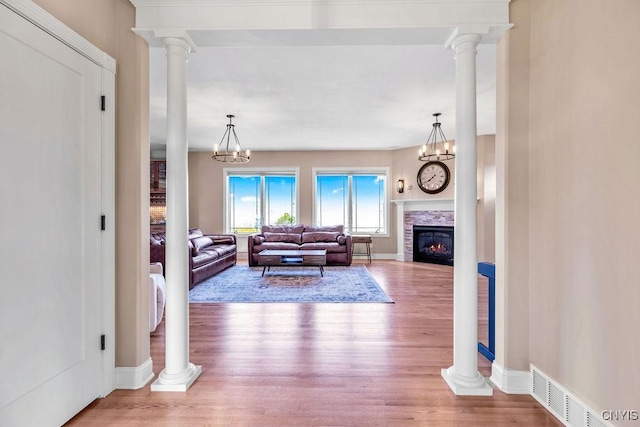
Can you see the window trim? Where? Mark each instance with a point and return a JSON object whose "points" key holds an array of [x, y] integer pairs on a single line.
{"points": [[256, 171], [374, 170]]}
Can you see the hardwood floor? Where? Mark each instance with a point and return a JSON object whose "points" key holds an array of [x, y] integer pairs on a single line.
{"points": [[329, 364]]}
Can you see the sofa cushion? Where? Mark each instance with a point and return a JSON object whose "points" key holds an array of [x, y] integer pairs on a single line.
{"points": [[283, 237], [289, 229], [276, 245], [320, 236], [223, 250], [153, 241], [258, 240], [342, 239], [199, 243], [205, 256], [330, 247], [338, 228]]}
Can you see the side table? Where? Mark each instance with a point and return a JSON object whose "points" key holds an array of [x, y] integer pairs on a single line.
{"points": [[366, 240]]}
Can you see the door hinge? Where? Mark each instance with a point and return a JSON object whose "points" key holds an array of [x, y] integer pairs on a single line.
{"points": [[103, 103], [103, 342], [103, 222]]}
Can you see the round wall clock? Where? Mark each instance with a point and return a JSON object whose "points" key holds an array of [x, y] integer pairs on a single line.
{"points": [[433, 177]]}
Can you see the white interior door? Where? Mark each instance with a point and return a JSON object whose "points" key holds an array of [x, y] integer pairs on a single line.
{"points": [[50, 238]]}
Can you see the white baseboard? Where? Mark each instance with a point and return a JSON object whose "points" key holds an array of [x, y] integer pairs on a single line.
{"points": [[510, 381], [384, 256], [133, 378], [361, 257]]}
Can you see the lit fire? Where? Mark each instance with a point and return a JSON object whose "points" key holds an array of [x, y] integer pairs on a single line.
{"points": [[439, 248]]}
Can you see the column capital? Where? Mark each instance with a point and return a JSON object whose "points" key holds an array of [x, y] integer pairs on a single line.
{"points": [[462, 35], [178, 38], [468, 41]]}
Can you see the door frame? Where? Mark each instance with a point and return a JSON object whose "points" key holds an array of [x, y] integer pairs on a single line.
{"points": [[46, 22]]}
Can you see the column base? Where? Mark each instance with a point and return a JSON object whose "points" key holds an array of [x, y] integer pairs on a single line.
{"points": [[177, 382], [464, 386]]}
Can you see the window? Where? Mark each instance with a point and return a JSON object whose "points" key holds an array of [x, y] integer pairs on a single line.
{"points": [[257, 198], [355, 199]]}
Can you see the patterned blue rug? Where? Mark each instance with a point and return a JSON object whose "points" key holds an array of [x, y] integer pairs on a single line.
{"points": [[242, 283]]}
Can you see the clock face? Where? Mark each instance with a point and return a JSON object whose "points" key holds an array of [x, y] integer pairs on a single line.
{"points": [[433, 177]]}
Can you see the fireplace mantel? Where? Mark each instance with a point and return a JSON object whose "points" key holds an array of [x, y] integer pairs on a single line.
{"points": [[424, 204]]}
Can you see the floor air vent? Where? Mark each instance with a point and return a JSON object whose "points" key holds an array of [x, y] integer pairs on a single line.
{"points": [[539, 386], [593, 421], [562, 404], [574, 412], [556, 400]]}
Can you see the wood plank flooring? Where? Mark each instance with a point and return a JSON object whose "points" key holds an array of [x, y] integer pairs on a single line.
{"points": [[324, 365]]}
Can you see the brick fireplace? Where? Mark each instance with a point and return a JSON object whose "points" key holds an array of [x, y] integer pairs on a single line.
{"points": [[422, 218]]}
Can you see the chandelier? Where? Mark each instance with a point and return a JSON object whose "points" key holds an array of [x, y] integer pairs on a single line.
{"points": [[432, 150], [230, 155]]}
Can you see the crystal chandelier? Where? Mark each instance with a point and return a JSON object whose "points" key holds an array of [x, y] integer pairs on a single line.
{"points": [[230, 155], [432, 150]]}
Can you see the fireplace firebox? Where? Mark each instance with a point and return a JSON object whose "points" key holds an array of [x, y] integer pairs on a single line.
{"points": [[433, 244]]}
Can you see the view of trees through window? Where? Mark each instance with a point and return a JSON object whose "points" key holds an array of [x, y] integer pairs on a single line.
{"points": [[255, 200], [355, 200]]}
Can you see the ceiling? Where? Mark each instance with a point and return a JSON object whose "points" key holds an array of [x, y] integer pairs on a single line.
{"points": [[301, 96]]}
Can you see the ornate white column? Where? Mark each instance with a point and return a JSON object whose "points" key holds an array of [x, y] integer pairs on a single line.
{"points": [[463, 377], [179, 373]]}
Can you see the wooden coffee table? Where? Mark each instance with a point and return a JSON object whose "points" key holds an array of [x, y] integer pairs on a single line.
{"points": [[292, 258]]}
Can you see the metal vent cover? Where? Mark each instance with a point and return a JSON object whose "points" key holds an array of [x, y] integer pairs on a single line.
{"points": [[562, 404], [556, 400], [574, 412], [593, 421], [539, 386]]}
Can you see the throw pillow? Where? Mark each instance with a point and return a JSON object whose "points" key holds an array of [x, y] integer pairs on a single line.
{"points": [[258, 240], [194, 232], [342, 239], [199, 243]]}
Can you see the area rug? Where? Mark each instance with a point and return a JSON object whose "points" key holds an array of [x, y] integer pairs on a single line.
{"points": [[242, 283]]}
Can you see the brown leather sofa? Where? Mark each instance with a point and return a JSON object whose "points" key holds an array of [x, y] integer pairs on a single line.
{"points": [[338, 244], [209, 254]]}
